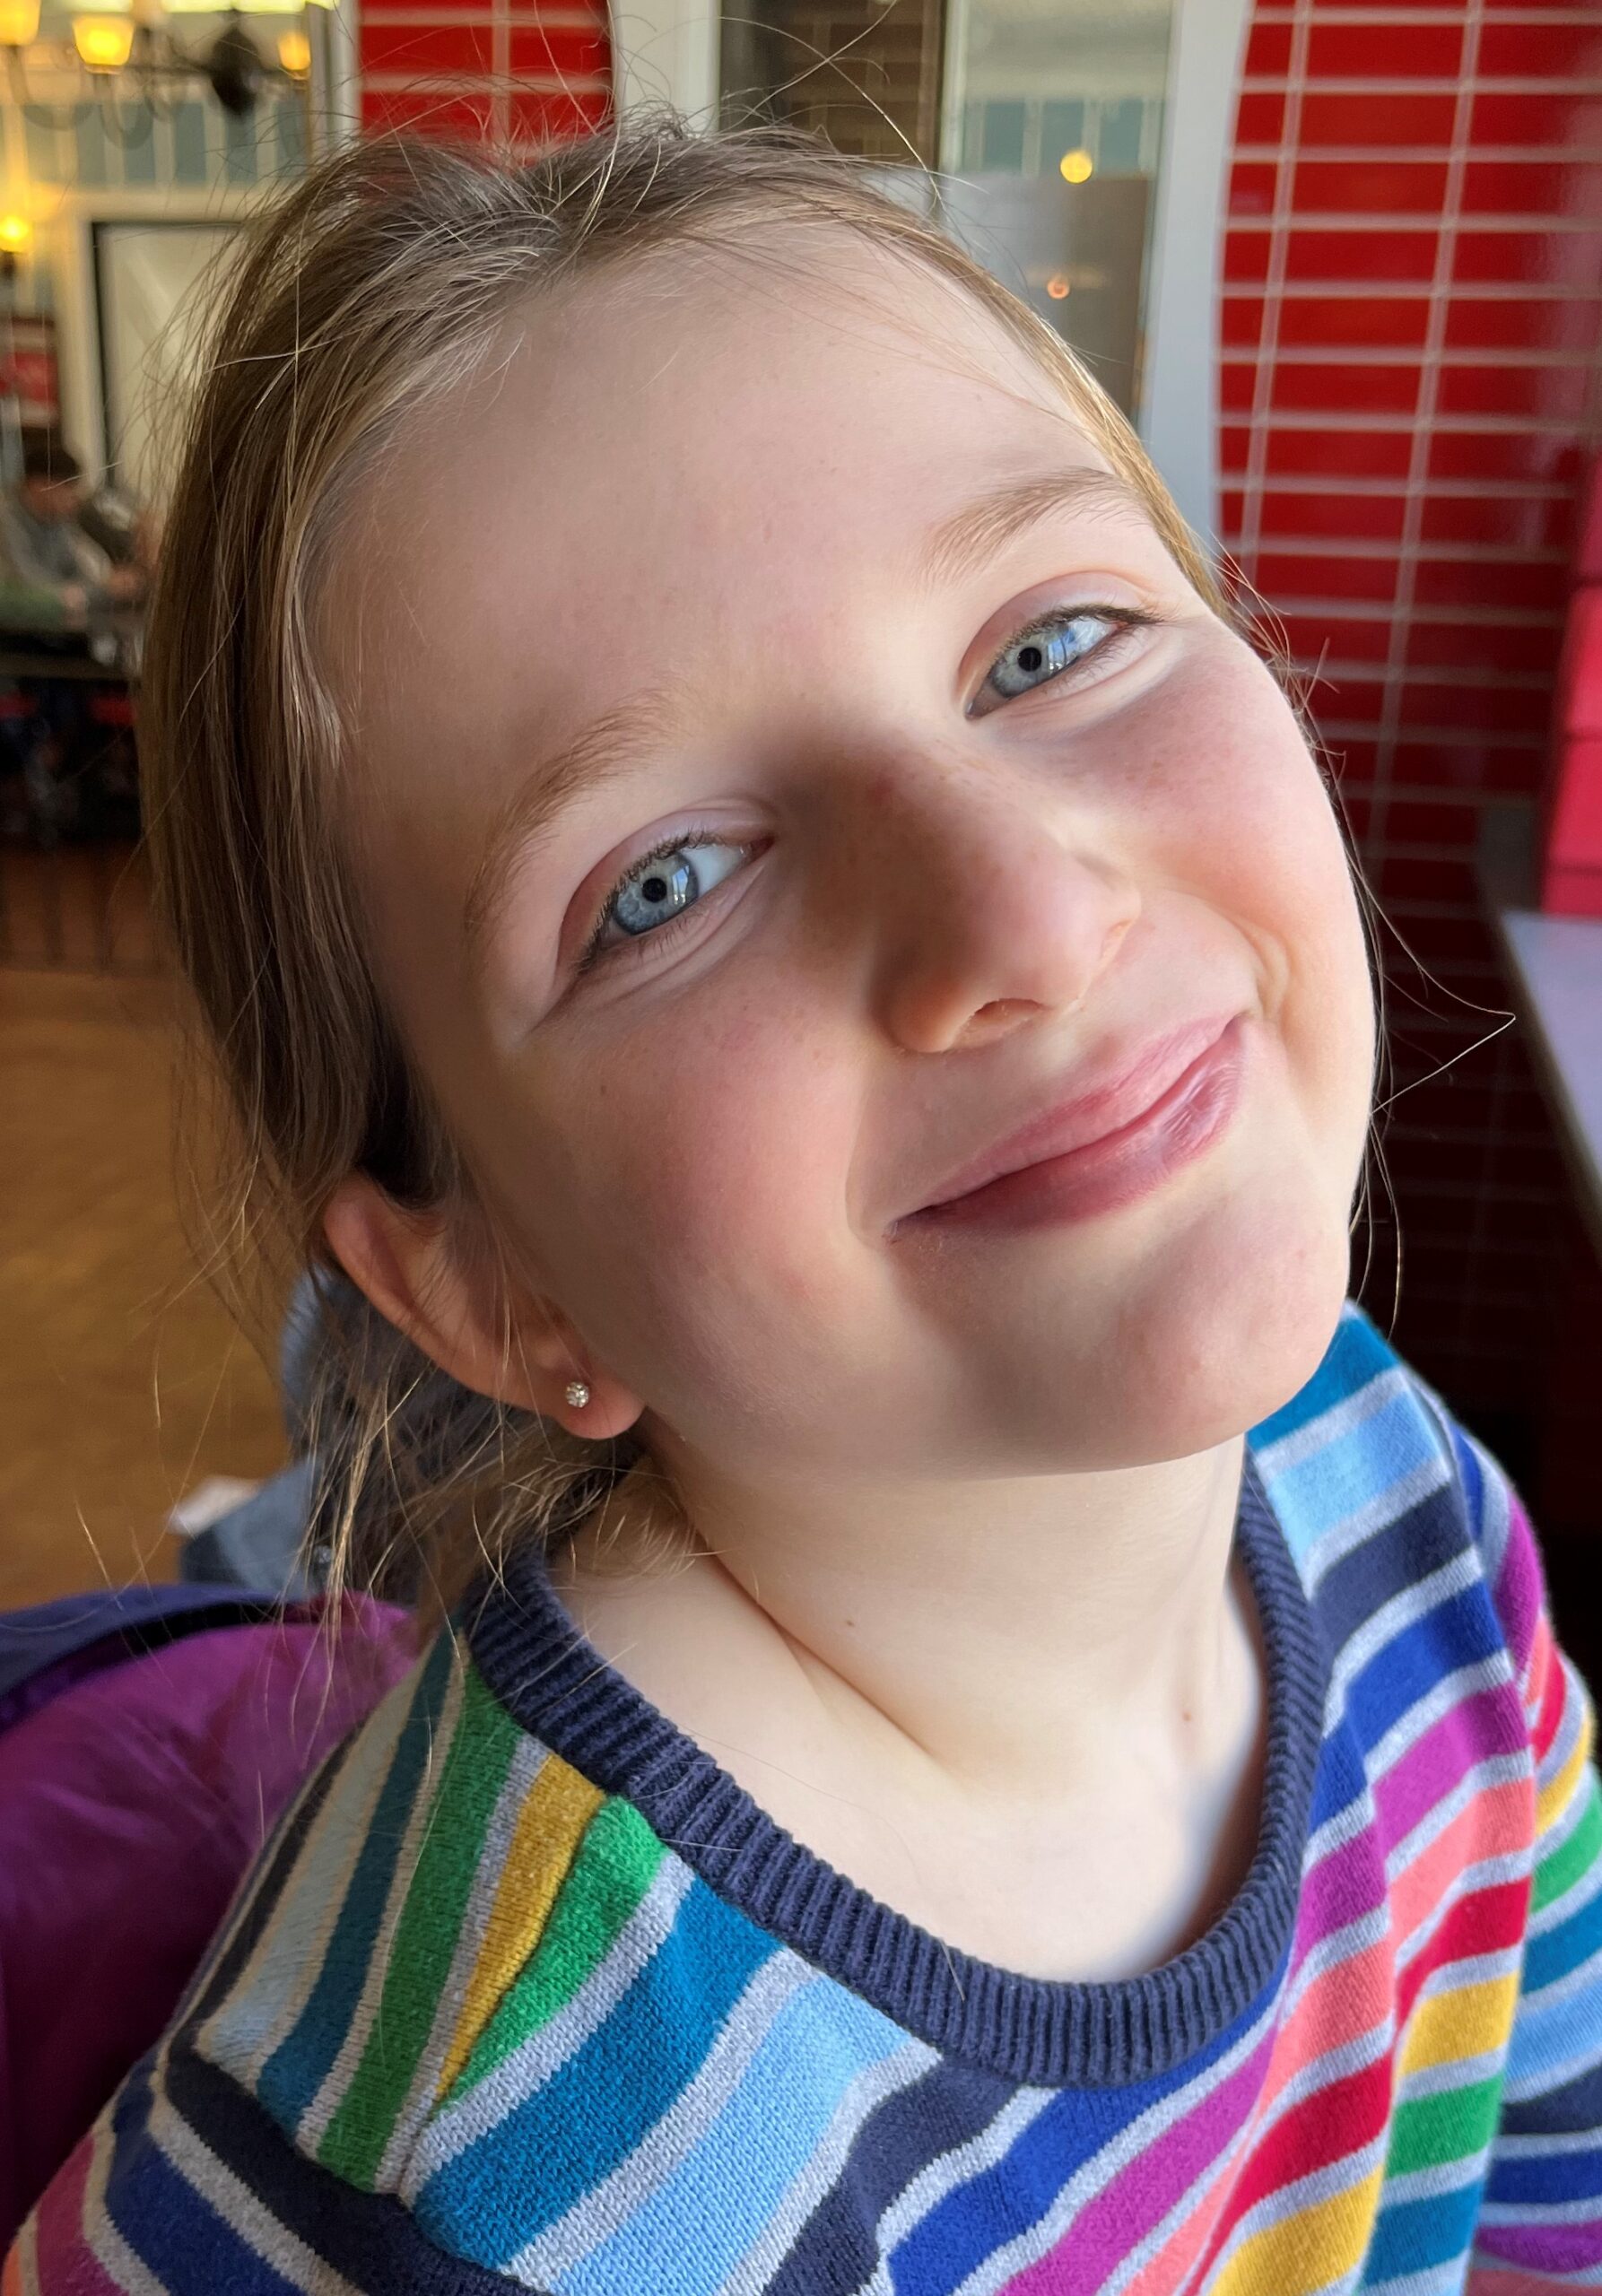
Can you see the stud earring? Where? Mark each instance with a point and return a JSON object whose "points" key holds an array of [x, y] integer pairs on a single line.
{"points": [[577, 1394]]}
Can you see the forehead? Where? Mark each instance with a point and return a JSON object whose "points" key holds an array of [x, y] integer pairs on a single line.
{"points": [[680, 439]]}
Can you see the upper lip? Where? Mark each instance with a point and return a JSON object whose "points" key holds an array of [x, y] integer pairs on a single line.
{"points": [[1128, 1080]]}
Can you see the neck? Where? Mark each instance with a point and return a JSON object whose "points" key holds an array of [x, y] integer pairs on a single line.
{"points": [[973, 1622]]}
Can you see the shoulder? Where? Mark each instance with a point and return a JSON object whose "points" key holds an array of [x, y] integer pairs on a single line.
{"points": [[441, 1889], [1377, 1488], [398, 1932]]}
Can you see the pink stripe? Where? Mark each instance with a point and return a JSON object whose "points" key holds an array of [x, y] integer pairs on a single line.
{"points": [[1141, 2192], [1355, 1994], [1544, 2248], [68, 2265], [1518, 1594], [1494, 1824], [1350, 1998], [1489, 1724], [1511, 2282], [1340, 1889]]}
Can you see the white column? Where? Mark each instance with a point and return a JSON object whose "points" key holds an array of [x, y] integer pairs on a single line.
{"points": [[665, 52], [1178, 415]]}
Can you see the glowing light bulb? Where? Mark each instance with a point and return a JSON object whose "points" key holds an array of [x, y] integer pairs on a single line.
{"points": [[1057, 287], [1075, 167], [15, 232], [294, 53], [104, 43], [19, 22]]}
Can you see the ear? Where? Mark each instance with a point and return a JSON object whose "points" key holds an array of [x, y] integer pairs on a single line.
{"points": [[455, 1307]]}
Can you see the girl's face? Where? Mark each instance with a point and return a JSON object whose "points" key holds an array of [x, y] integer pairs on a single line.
{"points": [[796, 789]]}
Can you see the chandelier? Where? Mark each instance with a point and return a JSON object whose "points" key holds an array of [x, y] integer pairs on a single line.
{"points": [[129, 52]]}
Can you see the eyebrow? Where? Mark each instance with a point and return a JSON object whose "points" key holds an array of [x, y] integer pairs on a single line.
{"points": [[603, 749], [974, 533]]}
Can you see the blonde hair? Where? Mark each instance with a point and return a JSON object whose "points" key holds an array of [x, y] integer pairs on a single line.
{"points": [[378, 285]]}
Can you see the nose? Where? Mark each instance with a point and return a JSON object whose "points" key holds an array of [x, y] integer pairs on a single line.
{"points": [[992, 915]]}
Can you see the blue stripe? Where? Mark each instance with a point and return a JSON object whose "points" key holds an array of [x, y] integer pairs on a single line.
{"points": [[1542, 2180], [1416, 2235], [1354, 1470], [1455, 1633], [1557, 1951], [1474, 1481], [558, 2144], [1356, 1355], [178, 2237], [1575, 2110], [301, 2062], [1419, 1542], [1003, 2201], [948, 2109], [1339, 1780], [1550, 2035], [689, 2233]]}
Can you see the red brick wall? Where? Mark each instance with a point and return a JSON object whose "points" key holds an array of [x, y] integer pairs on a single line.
{"points": [[521, 69], [1411, 332]]}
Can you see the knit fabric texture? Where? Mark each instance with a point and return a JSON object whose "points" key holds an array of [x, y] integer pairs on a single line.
{"points": [[526, 1993]]}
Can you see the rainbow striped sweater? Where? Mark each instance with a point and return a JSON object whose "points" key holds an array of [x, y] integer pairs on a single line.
{"points": [[527, 1994]]}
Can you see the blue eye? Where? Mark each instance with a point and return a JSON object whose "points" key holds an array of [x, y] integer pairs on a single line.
{"points": [[1046, 649], [662, 886]]}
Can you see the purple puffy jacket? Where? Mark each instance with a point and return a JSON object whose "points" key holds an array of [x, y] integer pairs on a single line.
{"points": [[148, 1740]]}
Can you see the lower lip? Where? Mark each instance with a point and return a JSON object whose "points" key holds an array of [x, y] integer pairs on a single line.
{"points": [[1106, 1174]]}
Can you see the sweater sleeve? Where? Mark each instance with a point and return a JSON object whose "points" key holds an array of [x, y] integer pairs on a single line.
{"points": [[1540, 2223], [184, 2188]]}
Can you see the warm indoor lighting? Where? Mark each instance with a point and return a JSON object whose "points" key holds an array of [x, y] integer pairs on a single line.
{"points": [[1075, 167], [104, 43], [294, 53], [19, 22], [1057, 287], [15, 231]]}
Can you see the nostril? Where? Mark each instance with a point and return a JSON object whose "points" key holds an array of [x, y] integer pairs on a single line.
{"points": [[996, 1019]]}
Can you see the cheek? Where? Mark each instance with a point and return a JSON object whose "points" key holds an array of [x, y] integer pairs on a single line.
{"points": [[704, 1192], [1236, 812]]}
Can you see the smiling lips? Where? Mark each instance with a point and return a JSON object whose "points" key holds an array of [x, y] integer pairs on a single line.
{"points": [[1107, 1147]]}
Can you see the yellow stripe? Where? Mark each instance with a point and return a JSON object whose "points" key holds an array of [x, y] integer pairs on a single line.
{"points": [[1462, 2024], [559, 1806], [1555, 1796], [1307, 2251]]}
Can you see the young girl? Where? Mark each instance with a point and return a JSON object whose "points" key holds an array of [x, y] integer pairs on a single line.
{"points": [[751, 897]]}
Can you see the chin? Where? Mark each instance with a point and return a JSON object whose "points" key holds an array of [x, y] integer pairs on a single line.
{"points": [[1240, 1334], [1213, 1335]]}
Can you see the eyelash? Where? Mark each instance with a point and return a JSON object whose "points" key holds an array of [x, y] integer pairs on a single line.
{"points": [[592, 953], [1125, 618]]}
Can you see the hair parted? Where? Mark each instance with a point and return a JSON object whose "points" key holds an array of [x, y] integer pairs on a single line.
{"points": [[380, 284]]}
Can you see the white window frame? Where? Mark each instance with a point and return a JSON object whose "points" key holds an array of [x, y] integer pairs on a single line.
{"points": [[667, 51]]}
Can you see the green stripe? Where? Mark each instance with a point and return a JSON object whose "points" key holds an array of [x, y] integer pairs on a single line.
{"points": [[1428, 2131], [616, 1860], [1563, 1868], [475, 1766]]}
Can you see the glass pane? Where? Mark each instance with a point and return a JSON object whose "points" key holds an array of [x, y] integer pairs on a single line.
{"points": [[865, 74], [1053, 112]]}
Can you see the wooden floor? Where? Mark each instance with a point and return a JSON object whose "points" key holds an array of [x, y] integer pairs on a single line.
{"points": [[122, 1380]]}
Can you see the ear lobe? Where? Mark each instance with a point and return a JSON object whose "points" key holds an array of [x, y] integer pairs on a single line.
{"points": [[521, 1350]]}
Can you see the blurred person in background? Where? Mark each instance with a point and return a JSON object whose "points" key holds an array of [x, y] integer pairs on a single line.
{"points": [[69, 562], [55, 571]]}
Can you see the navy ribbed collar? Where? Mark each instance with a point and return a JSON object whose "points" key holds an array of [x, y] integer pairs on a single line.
{"points": [[559, 1688]]}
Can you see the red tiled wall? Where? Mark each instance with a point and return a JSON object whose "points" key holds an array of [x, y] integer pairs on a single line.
{"points": [[518, 71], [1411, 331]]}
